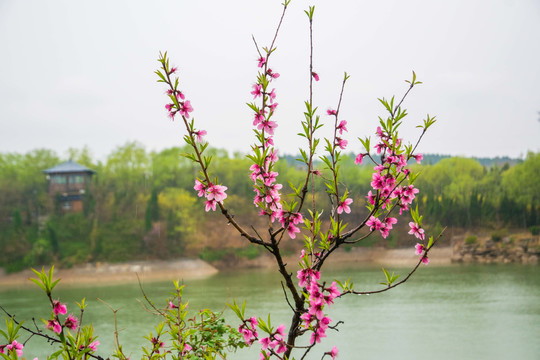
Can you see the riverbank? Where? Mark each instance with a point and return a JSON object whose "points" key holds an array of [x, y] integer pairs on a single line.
{"points": [[104, 273]]}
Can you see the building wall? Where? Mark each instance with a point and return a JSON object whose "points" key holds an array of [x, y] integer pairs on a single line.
{"points": [[71, 187]]}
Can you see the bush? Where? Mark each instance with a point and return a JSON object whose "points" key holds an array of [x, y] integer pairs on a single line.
{"points": [[535, 230], [498, 235], [471, 239]]}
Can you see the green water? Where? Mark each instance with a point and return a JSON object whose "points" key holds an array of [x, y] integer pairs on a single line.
{"points": [[455, 312]]}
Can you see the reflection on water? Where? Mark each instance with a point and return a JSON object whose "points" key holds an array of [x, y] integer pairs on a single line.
{"points": [[455, 312]]}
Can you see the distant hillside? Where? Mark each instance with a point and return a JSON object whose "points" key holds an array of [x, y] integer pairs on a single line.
{"points": [[432, 159]]}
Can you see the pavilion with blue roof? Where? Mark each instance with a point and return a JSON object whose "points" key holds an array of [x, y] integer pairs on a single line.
{"points": [[68, 182]]}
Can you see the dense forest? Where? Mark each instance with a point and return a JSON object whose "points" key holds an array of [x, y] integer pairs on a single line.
{"points": [[141, 205]]}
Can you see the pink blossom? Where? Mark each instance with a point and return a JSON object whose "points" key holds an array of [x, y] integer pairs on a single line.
{"points": [[259, 117], [307, 318], [378, 181], [199, 134], [93, 346], [273, 106], [172, 306], [71, 322], [359, 158], [410, 191], [250, 335], [385, 231], [200, 187], [173, 70], [272, 74], [216, 192], [418, 158], [317, 335], [186, 350], [344, 206], [316, 309], [261, 61], [331, 112], [18, 347], [333, 292], [272, 96], [315, 75], [306, 276], [281, 330], [269, 140], [59, 308], [296, 218], [342, 143], [371, 198], [210, 204], [267, 126], [342, 126], [419, 249], [403, 207], [425, 260], [389, 221], [257, 90], [333, 353], [179, 95], [264, 343], [186, 108], [416, 230], [282, 347], [374, 223], [54, 326], [292, 230], [314, 291]]}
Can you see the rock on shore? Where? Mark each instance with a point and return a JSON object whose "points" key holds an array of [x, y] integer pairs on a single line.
{"points": [[486, 251]]}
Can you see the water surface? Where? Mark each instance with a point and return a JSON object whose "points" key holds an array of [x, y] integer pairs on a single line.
{"points": [[454, 312]]}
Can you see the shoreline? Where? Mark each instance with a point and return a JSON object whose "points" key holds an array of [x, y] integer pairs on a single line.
{"points": [[163, 270], [119, 273]]}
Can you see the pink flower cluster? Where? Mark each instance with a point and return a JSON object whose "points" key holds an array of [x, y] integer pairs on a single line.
{"points": [[92, 346], [14, 347], [318, 297], [275, 342], [419, 250], [71, 322], [267, 189], [213, 193], [387, 192], [340, 128], [383, 226], [186, 350], [247, 329], [184, 107]]}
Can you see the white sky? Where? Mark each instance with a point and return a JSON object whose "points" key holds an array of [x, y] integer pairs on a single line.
{"points": [[76, 73]]}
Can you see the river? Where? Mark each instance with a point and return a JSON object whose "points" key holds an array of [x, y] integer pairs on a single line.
{"points": [[448, 312]]}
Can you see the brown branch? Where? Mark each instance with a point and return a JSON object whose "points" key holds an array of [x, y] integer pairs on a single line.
{"points": [[425, 254]]}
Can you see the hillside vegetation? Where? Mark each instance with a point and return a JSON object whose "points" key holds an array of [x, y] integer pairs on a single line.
{"points": [[142, 205]]}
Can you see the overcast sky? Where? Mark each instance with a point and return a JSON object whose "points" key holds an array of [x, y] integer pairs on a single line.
{"points": [[75, 73]]}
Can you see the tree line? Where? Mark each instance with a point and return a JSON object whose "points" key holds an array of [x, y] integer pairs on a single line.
{"points": [[142, 204]]}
